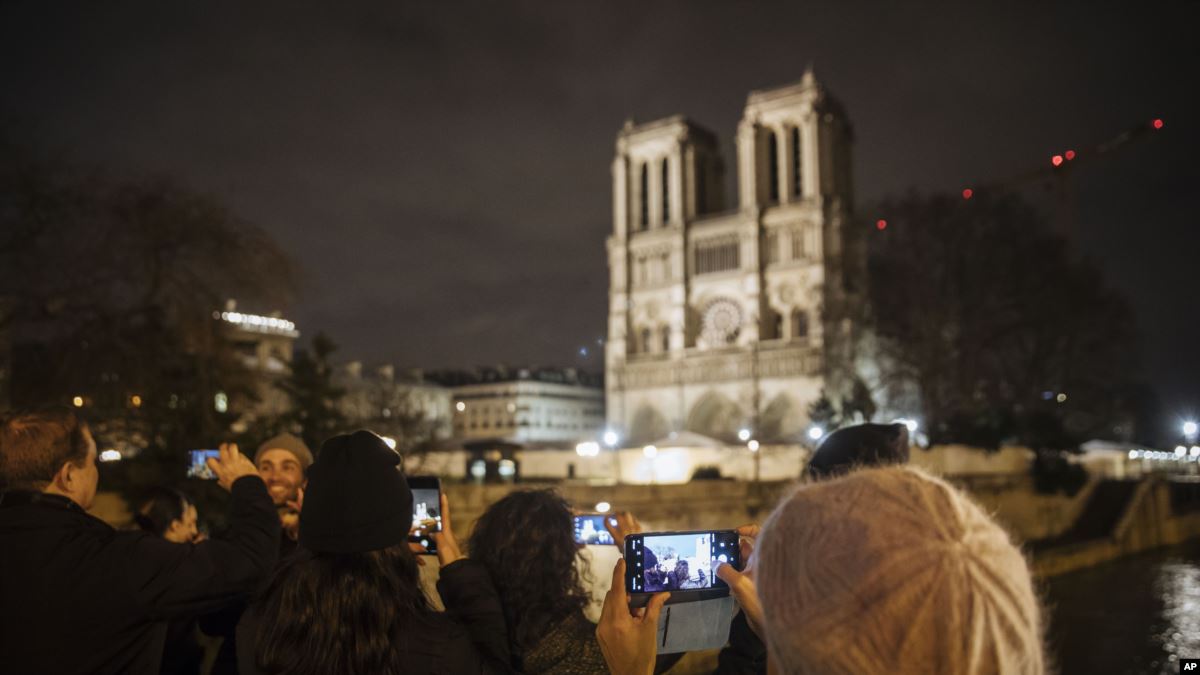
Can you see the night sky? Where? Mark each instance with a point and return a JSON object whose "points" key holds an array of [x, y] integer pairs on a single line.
{"points": [[441, 170]]}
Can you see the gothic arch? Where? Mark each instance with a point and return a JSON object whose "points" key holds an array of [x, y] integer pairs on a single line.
{"points": [[715, 416], [781, 418], [648, 425]]}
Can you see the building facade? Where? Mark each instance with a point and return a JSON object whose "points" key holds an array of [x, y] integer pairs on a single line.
{"points": [[728, 319], [528, 406]]}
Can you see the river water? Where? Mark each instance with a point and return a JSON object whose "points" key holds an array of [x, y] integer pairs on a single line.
{"points": [[1136, 615]]}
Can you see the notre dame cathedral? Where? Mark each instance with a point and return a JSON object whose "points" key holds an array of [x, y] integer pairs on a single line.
{"points": [[724, 318]]}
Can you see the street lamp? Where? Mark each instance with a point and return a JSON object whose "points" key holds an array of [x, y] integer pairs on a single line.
{"points": [[611, 439], [815, 433], [1189, 429], [743, 435]]}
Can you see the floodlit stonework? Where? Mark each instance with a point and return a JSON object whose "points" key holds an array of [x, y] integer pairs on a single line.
{"points": [[723, 319]]}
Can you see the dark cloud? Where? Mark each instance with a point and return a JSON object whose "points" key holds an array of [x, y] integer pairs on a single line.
{"points": [[441, 171]]}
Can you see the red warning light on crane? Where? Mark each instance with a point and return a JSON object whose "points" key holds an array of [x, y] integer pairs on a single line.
{"points": [[1158, 123], [967, 193], [1056, 160], [881, 224], [1070, 155]]}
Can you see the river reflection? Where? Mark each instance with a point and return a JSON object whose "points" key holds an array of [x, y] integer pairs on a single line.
{"points": [[1137, 615]]}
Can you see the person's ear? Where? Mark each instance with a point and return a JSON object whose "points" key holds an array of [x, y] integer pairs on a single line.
{"points": [[65, 478]]}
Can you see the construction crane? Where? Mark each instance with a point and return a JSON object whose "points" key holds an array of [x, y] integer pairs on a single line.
{"points": [[1060, 167]]}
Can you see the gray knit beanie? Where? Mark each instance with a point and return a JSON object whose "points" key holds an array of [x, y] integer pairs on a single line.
{"points": [[892, 571], [292, 444]]}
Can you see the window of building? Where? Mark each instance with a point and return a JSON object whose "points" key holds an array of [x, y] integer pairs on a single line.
{"points": [[665, 337], [717, 256], [777, 326], [799, 250], [797, 176], [666, 192], [772, 167], [799, 324], [646, 341], [772, 246], [644, 198]]}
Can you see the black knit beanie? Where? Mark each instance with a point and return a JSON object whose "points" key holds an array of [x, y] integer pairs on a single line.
{"points": [[862, 445], [357, 498]]}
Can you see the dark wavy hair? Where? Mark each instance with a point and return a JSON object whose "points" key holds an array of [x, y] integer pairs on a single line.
{"points": [[160, 507], [341, 613], [527, 543]]}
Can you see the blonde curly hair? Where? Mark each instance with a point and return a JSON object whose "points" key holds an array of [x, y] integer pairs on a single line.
{"points": [[894, 571]]}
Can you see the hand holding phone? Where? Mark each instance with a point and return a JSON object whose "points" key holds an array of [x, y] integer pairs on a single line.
{"points": [[198, 464], [684, 563], [593, 529], [428, 511]]}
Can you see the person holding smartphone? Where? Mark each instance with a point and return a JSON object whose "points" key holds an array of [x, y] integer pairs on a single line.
{"points": [[77, 596], [526, 541], [883, 570], [349, 600]]}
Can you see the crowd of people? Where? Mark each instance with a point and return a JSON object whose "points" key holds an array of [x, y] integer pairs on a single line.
{"points": [[867, 566]]}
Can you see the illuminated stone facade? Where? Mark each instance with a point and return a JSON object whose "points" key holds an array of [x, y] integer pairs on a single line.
{"points": [[723, 319]]}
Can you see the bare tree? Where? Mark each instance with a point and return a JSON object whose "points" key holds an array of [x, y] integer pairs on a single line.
{"points": [[1000, 331]]}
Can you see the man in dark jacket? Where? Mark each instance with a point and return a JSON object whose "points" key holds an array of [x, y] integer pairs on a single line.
{"points": [[77, 596]]}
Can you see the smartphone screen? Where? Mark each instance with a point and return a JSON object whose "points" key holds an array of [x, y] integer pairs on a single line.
{"points": [[198, 464], [679, 561], [589, 529], [427, 509]]}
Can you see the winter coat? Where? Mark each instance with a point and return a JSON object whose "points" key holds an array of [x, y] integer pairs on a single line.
{"points": [[77, 596]]}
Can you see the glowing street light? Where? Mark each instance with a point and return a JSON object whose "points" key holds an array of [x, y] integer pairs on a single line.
{"points": [[753, 445], [610, 438], [650, 451], [1190, 428], [587, 449], [911, 425], [743, 435], [815, 433], [460, 406], [391, 442], [78, 401], [603, 507]]}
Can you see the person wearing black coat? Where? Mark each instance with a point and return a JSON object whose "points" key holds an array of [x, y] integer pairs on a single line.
{"points": [[77, 596], [349, 600]]}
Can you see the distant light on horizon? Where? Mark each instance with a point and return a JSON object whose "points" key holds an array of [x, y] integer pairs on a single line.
{"points": [[78, 401], [881, 224], [967, 193], [1158, 123], [110, 455]]}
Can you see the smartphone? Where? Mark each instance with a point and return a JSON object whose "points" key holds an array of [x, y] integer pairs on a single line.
{"points": [[589, 529], [427, 510], [198, 464], [684, 563]]}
